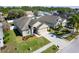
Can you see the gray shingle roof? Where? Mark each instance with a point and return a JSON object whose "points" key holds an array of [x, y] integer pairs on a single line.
{"points": [[21, 22], [24, 21], [50, 19]]}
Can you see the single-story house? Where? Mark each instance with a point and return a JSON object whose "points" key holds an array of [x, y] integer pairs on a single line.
{"points": [[54, 12], [40, 13], [27, 26]]}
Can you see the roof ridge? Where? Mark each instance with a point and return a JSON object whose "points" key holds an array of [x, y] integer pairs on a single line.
{"points": [[27, 23]]}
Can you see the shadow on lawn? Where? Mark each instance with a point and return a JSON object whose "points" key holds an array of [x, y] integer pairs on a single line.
{"points": [[17, 32]]}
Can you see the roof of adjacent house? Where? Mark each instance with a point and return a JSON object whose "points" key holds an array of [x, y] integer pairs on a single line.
{"points": [[24, 21], [29, 13], [1, 31]]}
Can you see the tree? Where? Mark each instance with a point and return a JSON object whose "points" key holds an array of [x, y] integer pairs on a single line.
{"points": [[15, 13], [35, 13], [6, 26], [20, 12], [74, 21]]}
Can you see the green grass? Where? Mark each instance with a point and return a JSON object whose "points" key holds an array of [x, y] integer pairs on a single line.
{"points": [[31, 44], [16, 44], [9, 36], [52, 49], [10, 41]]}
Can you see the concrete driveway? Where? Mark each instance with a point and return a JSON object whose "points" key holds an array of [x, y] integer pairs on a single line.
{"points": [[52, 38]]}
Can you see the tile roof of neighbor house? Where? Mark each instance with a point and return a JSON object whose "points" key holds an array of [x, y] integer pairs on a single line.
{"points": [[24, 21]]}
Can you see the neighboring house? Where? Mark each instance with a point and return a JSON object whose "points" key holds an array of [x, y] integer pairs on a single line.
{"points": [[54, 12], [1, 36], [28, 26], [10, 21], [47, 13], [29, 13], [40, 13], [64, 22]]}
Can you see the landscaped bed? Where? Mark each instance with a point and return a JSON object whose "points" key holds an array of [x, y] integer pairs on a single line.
{"points": [[58, 32], [52, 49], [16, 44], [72, 36]]}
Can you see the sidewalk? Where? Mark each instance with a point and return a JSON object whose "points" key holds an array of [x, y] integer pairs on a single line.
{"points": [[43, 48]]}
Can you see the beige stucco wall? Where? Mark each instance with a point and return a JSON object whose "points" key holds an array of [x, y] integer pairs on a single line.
{"points": [[44, 27]]}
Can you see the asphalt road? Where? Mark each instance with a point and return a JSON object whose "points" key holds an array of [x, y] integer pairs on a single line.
{"points": [[72, 48]]}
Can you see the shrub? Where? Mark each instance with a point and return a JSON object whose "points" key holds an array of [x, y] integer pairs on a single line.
{"points": [[66, 31], [54, 47]]}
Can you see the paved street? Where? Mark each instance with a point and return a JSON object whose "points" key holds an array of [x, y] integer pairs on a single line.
{"points": [[73, 47]]}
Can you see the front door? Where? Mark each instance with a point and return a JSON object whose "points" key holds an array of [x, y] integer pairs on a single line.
{"points": [[35, 30]]}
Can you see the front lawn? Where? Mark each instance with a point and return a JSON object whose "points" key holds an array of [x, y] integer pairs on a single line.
{"points": [[9, 41], [15, 43], [52, 49], [31, 44]]}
